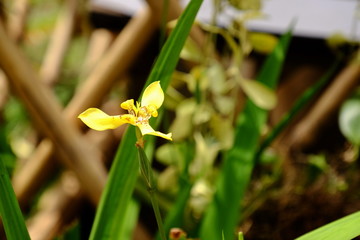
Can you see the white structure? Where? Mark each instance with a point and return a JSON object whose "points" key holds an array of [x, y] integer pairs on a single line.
{"points": [[314, 18]]}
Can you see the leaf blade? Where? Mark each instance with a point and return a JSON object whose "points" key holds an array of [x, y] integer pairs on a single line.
{"points": [[10, 212], [343, 228], [123, 174]]}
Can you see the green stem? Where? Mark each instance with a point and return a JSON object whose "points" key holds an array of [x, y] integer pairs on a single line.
{"points": [[156, 208], [147, 173]]}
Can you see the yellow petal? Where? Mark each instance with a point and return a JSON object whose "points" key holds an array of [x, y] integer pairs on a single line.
{"points": [[146, 129], [128, 105], [98, 120], [153, 95]]}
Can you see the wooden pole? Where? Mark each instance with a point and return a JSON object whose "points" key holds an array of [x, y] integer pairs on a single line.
{"points": [[72, 148]]}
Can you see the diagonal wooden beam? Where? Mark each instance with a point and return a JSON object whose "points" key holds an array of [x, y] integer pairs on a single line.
{"points": [[59, 43], [309, 128], [72, 148], [91, 93]]}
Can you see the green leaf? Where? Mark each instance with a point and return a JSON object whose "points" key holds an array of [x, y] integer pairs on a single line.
{"points": [[344, 228], [224, 212], [169, 55], [10, 212], [115, 199], [261, 95], [111, 212], [192, 52], [305, 98], [73, 233], [263, 42], [181, 127], [349, 120], [241, 236]]}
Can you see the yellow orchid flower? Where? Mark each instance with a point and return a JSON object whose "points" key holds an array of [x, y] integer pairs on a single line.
{"points": [[138, 115]]}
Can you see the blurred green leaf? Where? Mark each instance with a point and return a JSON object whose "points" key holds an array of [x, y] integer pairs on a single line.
{"points": [[192, 52], [222, 129], [167, 180], [111, 213], [336, 40], [225, 211], [263, 42], [261, 95], [305, 98], [10, 212], [216, 78], [73, 233], [167, 154], [241, 236], [318, 161], [6, 154], [344, 228], [131, 216], [349, 120], [182, 124], [175, 217], [246, 4]]}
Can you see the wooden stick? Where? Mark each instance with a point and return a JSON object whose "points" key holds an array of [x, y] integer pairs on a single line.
{"points": [[100, 40], [15, 28], [32, 175], [64, 203], [59, 43], [17, 19], [307, 131], [27, 179], [4, 89], [75, 152], [55, 212], [117, 60]]}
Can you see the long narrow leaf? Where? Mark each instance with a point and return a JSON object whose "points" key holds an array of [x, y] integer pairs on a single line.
{"points": [[124, 171], [10, 212], [224, 212], [306, 97], [344, 228]]}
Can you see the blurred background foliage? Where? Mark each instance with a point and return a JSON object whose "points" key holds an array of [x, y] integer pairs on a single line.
{"points": [[233, 89]]}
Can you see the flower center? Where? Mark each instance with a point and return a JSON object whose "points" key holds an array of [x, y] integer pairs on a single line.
{"points": [[143, 115]]}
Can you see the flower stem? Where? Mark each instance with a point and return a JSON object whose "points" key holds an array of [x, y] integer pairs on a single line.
{"points": [[147, 173], [156, 208]]}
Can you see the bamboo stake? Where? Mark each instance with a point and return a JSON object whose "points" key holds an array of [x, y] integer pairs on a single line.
{"points": [[307, 131], [17, 19], [117, 59], [50, 220], [59, 43], [31, 176], [100, 40], [75, 152], [15, 28], [4, 89]]}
